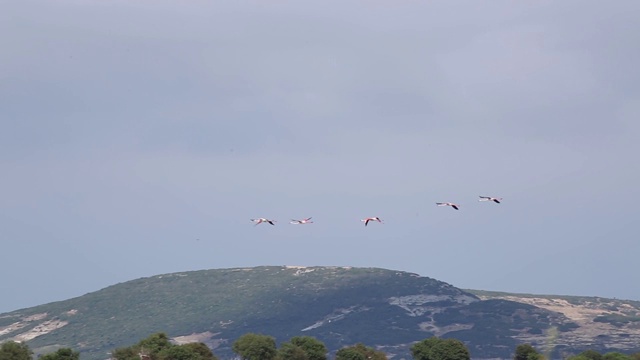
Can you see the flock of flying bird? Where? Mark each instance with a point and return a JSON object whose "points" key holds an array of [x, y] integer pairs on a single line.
{"points": [[369, 219]]}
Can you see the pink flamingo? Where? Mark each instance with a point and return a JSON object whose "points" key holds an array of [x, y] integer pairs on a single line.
{"points": [[455, 206], [301, 222], [366, 220], [489, 198], [262, 220]]}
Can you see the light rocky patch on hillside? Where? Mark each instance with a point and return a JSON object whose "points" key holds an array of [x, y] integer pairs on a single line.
{"points": [[206, 337], [34, 326], [610, 323]]}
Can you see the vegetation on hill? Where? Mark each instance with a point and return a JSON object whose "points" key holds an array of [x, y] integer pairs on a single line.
{"points": [[159, 347], [388, 310], [604, 303], [440, 349], [263, 347], [12, 350]]}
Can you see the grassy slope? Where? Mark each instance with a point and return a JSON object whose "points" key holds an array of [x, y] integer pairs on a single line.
{"points": [[281, 302], [272, 298]]}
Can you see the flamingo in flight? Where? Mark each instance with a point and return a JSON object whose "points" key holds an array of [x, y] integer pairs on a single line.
{"points": [[366, 221], [301, 222], [489, 198], [455, 206], [262, 220]]}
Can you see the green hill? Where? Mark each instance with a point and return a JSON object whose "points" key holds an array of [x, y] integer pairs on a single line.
{"points": [[338, 305]]}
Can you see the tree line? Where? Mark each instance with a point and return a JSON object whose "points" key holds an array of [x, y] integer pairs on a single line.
{"points": [[263, 347]]}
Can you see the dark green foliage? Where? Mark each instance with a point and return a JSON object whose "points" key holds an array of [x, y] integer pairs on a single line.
{"points": [[350, 353], [616, 319], [62, 354], [526, 352], [255, 347], [12, 350], [158, 347], [155, 343], [288, 351], [303, 348], [435, 348], [200, 349], [587, 355], [177, 353], [615, 356], [193, 351], [578, 357], [591, 355], [567, 326], [128, 353], [360, 352]]}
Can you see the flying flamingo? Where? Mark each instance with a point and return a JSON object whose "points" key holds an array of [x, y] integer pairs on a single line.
{"points": [[489, 198], [301, 222], [455, 206], [366, 221], [262, 220]]}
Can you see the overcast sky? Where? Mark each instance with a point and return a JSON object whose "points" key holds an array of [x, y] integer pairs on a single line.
{"points": [[139, 137]]}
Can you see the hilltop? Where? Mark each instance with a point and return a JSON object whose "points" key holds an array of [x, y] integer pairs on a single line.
{"points": [[338, 305]]}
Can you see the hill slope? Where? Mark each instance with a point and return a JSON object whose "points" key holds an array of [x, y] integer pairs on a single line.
{"points": [[340, 306], [603, 324]]}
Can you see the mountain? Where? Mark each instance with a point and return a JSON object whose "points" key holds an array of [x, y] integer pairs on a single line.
{"points": [[338, 305]]}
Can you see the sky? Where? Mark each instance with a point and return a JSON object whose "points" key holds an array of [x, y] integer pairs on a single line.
{"points": [[139, 137]]}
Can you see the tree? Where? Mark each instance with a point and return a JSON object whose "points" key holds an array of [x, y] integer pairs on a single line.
{"points": [[303, 348], [578, 357], [526, 352], [255, 347], [184, 352], [12, 350], [587, 355], [440, 349], [614, 355], [62, 354], [288, 351], [177, 353], [591, 355], [192, 351], [360, 352], [155, 343], [200, 349], [125, 353], [158, 347], [150, 347]]}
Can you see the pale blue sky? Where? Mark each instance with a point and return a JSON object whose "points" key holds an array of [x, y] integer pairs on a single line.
{"points": [[130, 129]]}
